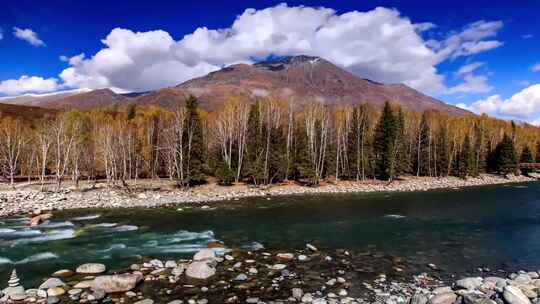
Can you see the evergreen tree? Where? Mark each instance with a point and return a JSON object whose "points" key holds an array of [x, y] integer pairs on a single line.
{"points": [[403, 159], [465, 161], [302, 164], [384, 144], [194, 144], [479, 157], [277, 161], [443, 151], [506, 159], [423, 158], [254, 160], [526, 158]]}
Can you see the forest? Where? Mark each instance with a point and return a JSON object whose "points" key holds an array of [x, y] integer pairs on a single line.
{"points": [[271, 141]]}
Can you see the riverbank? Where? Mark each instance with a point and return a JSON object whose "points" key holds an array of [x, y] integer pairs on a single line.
{"points": [[150, 194], [219, 275]]}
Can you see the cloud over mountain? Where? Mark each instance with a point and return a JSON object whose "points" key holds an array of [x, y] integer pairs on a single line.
{"points": [[380, 44]]}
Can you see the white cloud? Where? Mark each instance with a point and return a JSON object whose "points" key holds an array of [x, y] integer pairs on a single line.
{"points": [[1, 34], [471, 84], [28, 35], [470, 41], [379, 44], [522, 105], [469, 68], [28, 84], [535, 68]]}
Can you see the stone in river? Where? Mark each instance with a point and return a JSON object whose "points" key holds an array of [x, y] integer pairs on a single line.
{"points": [[145, 301], [469, 283], [91, 268], [200, 271], [285, 256], [55, 291], [279, 267], [117, 283], [419, 298], [64, 273], [204, 254], [311, 247], [514, 295], [51, 283], [443, 298], [241, 277]]}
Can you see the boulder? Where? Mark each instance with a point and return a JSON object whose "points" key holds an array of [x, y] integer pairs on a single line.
{"points": [[514, 295], [469, 283], [55, 291], [418, 298], [443, 298], [91, 268], [204, 254], [64, 273], [200, 271], [52, 283], [117, 282]]}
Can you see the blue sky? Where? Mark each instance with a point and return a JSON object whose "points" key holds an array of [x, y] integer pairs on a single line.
{"points": [[141, 45]]}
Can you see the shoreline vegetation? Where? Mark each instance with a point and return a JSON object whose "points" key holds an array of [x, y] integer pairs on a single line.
{"points": [[29, 199], [221, 275]]}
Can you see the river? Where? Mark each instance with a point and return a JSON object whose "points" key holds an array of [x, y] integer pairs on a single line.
{"points": [[458, 230]]}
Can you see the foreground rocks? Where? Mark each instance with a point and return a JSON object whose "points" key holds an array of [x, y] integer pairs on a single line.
{"points": [[15, 202], [220, 275]]}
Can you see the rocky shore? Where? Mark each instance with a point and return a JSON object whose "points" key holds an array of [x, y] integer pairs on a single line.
{"points": [[13, 202], [219, 275]]}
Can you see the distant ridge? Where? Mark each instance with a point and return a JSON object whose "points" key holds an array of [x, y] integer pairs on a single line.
{"points": [[304, 79]]}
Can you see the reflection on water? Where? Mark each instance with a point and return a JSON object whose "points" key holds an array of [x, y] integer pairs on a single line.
{"points": [[495, 226]]}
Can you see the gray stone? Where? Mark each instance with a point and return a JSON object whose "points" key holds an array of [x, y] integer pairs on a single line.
{"points": [[499, 282], [97, 295], [117, 282], [297, 293], [204, 254], [514, 295], [522, 279], [91, 268], [418, 298], [469, 283], [51, 283], [200, 271], [443, 298], [179, 270], [53, 300], [442, 289], [241, 277], [145, 301]]}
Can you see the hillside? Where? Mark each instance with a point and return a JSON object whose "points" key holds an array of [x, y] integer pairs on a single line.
{"points": [[24, 112]]}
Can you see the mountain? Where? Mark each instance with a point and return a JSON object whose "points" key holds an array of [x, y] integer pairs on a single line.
{"points": [[86, 101], [305, 79], [39, 99], [24, 112]]}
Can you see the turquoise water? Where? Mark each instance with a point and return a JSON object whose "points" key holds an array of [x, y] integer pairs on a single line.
{"points": [[459, 230]]}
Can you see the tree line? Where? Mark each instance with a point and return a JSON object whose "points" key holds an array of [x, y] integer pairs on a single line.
{"points": [[272, 140]]}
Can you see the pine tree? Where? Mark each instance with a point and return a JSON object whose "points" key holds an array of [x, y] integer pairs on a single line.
{"points": [[403, 160], [384, 143], [194, 144], [302, 168], [443, 151], [479, 161], [506, 159], [526, 158], [254, 162], [466, 156], [423, 158]]}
